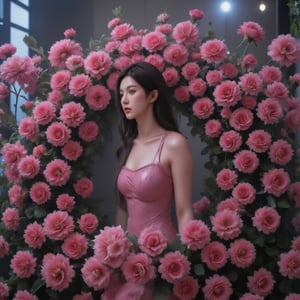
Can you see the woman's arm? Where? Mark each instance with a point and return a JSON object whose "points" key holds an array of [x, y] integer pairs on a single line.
{"points": [[180, 158], [121, 215]]}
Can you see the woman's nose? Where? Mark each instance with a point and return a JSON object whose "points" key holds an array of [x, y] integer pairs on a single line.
{"points": [[124, 99]]}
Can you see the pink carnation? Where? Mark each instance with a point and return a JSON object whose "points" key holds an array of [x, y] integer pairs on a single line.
{"points": [[4, 91], [230, 141], [186, 288], [246, 161], [176, 54], [88, 131], [88, 223], [28, 128], [84, 187], [23, 264], [75, 245], [95, 274], [40, 192], [248, 102], [294, 192], [97, 64], [171, 76], [65, 202], [281, 152], [276, 181], [138, 268], [13, 153], [285, 50], [10, 218], [7, 50], [229, 70], [195, 234], [122, 31], [261, 282], [227, 224], [34, 235], [24, 295], [152, 241], [289, 264], [277, 91], [111, 246], [190, 70], [270, 74], [213, 128], [97, 97], [61, 50], [57, 172], [259, 140], [174, 266], [196, 14], [249, 62], [16, 195], [269, 111], [251, 84], [4, 249], [57, 272], [229, 203], [131, 46], [214, 77], [217, 288], [44, 112], [154, 41], [266, 219], [201, 206], [55, 97], [72, 150], [72, 114], [113, 23], [58, 134], [213, 51], [242, 253], [252, 31], [186, 33], [227, 93], [292, 296], [197, 87], [79, 84], [292, 120], [58, 225], [226, 179], [214, 255], [29, 166], [244, 193], [60, 80], [241, 119], [74, 62], [4, 291], [203, 108], [156, 60], [295, 243], [250, 296]]}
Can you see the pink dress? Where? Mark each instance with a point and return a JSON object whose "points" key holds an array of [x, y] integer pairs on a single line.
{"points": [[148, 192]]}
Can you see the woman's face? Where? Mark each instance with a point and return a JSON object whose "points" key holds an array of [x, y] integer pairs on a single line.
{"points": [[134, 100]]}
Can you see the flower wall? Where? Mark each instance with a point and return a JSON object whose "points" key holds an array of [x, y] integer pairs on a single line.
{"points": [[244, 242]]}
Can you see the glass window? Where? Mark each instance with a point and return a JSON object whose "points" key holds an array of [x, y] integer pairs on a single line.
{"points": [[1, 9], [25, 2], [16, 38], [19, 15]]}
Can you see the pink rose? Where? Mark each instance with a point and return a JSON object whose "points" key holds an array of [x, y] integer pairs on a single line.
{"points": [[285, 50], [16, 195], [227, 224], [266, 219], [269, 111], [190, 70], [182, 94], [58, 225], [176, 54], [4, 291], [170, 76], [270, 74], [152, 241], [244, 193], [34, 235], [249, 102], [72, 150], [217, 287], [122, 31], [57, 271], [227, 93], [246, 161], [29, 166], [174, 266], [95, 274], [88, 131], [197, 87], [292, 120], [195, 234], [40, 192], [111, 246], [241, 119], [131, 46], [281, 152], [186, 288], [213, 128], [65, 202], [259, 140], [75, 245], [69, 33], [289, 264], [72, 114], [113, 23], [261, 282], [23, 264], [276, 181], [58, 134], [249, 62], [44, 112], [10, 218], [7, 50], [13, 153], [29, 129], [57, 172], [214, 77], [213, 51], [186, 33], [242, 253], [252, 31], [60, 80], [74, 62], [138, 268], [230, 141], [196, 14], [229, 203], [251, 84], [24, 295], [97, 64], [88, 223], [214, 255], [97, 97], [201, 205], [154, 41], [203, 108], [229, 70], [84, 187], [277, 91], [79, 84], [226, 179]]}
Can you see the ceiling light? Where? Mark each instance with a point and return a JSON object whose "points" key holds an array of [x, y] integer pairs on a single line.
{"points": [[226, 6]]}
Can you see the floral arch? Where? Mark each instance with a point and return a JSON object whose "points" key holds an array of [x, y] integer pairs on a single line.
{"points": [[244, 242]]}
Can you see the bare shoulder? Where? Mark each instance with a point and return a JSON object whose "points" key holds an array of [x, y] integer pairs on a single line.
{"points": [[176, 141]]}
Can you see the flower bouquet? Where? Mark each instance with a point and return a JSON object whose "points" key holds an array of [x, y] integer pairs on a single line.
{"points": [[244, 242]]}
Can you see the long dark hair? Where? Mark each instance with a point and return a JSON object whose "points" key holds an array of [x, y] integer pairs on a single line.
{"points": [[149, 78]]}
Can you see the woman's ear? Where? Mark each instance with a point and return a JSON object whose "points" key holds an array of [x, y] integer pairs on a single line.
{"points": [[153, 95]]}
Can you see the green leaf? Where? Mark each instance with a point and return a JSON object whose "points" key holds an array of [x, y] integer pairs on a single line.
{"points": [[37, 285], [283, 204], [199, 270], [39, 212]]}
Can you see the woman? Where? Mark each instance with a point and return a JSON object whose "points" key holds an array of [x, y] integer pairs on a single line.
{"points": [[155, 158]]}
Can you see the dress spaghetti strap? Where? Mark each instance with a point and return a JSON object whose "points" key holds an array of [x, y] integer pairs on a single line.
{"points": [[158, 152]]}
